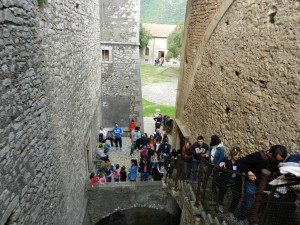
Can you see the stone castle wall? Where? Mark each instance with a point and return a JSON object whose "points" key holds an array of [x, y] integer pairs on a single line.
{"points": [[121, 85], [50, 84], [240, 73]]}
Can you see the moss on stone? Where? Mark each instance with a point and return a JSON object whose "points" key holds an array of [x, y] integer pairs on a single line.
{"points": [[42, 3]]}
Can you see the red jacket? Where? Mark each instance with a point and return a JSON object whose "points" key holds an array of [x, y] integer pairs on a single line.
{"points": [[131, 126], [186, 155]]}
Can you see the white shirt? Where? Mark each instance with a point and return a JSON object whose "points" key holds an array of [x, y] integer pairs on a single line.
{"points": [[100, 153], [104, 132]]}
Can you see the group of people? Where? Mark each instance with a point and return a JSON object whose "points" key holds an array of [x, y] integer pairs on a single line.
{"points": [[165, 121], [154, 150], [156, 158], [154, 153], [231, 178], [107, 172], [159, 61]]}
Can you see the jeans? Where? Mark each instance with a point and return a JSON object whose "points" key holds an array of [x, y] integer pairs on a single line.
{"points": [[138, 143], [106, 148], [250, 190], [195, 169], [186, 172], [112, 140], [215, 173], [118, 140], [144, 176], [165, 158], [236, 195]]}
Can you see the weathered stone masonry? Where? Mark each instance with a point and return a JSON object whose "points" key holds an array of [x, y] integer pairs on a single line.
{"points": [[121, 85], [240, 73], [50, 84], [51, 100]]}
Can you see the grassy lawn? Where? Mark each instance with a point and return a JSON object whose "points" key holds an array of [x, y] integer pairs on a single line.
{"points": [[149, 109], [155, 74]]}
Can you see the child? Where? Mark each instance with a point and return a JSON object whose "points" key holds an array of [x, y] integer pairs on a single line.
{"points": [[108, 169], [117, 174], [132, 172], [123, 174], [154, 161], [93, 179], [144, 168], [102, 178]]}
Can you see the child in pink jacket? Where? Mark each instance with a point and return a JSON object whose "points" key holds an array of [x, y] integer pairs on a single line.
{"points": [[117, 174], [102, 178], [93, 179]]}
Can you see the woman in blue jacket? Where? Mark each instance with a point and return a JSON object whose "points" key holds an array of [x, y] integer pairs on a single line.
{"points": [[215, 155], [132, 171]]}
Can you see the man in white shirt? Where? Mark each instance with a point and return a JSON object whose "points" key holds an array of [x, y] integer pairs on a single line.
{"points": [[105, 137]]}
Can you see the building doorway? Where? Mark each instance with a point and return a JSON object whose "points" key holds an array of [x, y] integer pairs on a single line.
{"points": [[161, 54]]}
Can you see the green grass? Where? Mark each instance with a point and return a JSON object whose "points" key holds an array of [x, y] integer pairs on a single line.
{"points": [[42, 3], [155, 74], [149, 109]]}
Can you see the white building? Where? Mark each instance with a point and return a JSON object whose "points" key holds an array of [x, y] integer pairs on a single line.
{"points": [[157, 46]]}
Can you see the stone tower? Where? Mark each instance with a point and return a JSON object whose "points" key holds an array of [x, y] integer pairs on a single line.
{"points": [[121, 85]]}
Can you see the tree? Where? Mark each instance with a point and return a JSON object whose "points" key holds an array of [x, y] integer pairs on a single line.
{"points": [[175, 42], [145, 36]]}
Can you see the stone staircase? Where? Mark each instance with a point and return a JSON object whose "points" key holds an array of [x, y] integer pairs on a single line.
{"points": [[191, 215]]}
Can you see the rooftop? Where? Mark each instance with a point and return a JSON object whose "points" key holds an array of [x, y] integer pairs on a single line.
{"points": [[159, 30]]}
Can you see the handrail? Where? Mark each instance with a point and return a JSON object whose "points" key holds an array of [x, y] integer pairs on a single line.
{"points": [[263, 214]]}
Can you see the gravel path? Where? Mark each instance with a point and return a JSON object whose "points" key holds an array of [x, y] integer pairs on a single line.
{"points": [[161, 93], [123, 158]]}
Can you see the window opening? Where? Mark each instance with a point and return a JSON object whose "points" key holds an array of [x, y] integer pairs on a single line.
{"points": [[105, 55], [147, 51]]}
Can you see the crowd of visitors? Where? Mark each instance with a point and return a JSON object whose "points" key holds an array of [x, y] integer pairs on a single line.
{"points": [[154, 153], [239, 175], [155, 159]]}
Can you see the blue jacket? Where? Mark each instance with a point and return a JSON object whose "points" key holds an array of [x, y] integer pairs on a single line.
{"points": [[132, 172], [219, 154]]}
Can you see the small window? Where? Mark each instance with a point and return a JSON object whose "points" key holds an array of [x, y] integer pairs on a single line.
{"points": [[147, 51], [105, 55]]}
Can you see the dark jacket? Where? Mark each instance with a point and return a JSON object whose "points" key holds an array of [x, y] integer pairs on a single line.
{"points": [[165, 148], [145, 162], [229, 178], [186, 155], [255, 162], [204, 148]]}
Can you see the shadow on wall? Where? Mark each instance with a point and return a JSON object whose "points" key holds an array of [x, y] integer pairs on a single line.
{"points": [[141, 216]]}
